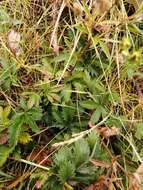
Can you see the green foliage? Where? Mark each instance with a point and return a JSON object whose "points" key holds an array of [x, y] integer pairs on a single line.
{"points": [[54, 88], [66, 171], [73, 163], [139, 131], [25, 116], [8, 73], [4, 114], [14, 130], [81, 152], [4, 153]]}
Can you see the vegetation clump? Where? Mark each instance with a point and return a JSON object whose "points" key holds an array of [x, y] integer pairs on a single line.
{"points": [[71, 94]]}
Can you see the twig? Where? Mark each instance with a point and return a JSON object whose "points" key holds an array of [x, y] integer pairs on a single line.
{"points": [[80, 135]]}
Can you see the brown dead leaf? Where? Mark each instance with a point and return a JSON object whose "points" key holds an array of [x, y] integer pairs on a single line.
{"points": [[38, 184], [77, 8], [139, 171], [107, 132], [99, 163], [3, 138], [102, 6], [101, 184], [13, 41], [135, 180]]}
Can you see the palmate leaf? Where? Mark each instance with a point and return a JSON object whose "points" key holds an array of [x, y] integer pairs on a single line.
{"points": [[35, 113], [92, 139], [14, 130], [81, 152], [66, 171], [63, 155]]}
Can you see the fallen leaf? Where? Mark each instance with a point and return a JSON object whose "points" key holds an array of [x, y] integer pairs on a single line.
{"points": [[140, 169], [136, 179], [102, 6], [101, 184], [99, 163], [134, 182], [77, 8], [108, 132], [38, 184], [14, 39], [3, 138]]}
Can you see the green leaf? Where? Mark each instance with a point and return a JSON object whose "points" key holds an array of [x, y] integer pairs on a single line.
{"points": [[1, 112], [35, 113], [105, 48], [66, 93], [96, 115], [88, 104], [32, 124], [139, 131], [66, 171], [4, 153], [81, 152], [6, 111], [92, 139], [63, 155], [14, 130]]}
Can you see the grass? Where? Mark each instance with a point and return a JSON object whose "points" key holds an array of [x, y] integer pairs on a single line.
{"points": [[71, 95]]}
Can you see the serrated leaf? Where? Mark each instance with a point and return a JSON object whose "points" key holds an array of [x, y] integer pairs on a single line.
{"points": [[63, 155], [14, 130], [81, 152], [35, 113], [92, 139], [32, 124], [66, 171]]}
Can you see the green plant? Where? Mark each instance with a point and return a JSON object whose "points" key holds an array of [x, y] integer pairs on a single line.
{"points": [[71, 76]]}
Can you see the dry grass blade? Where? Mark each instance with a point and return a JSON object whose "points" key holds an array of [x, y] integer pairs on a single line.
{"points": [[56, 18]]}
